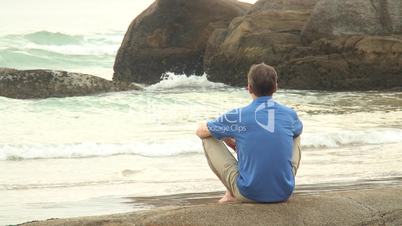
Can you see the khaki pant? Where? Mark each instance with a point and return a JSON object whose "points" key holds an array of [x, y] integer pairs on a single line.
{"points": [[224, 164]]}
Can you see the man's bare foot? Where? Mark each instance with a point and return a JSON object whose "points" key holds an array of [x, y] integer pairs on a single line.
{"points": [[228, 197]]}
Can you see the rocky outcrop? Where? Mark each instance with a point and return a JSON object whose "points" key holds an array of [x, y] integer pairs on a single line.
{"points": [[353, 45], [283, 5], [354, 17], [270, 35], [320, 45], [328, 51], [171, 35], [31, 84], [381, 206], [347, 63]]}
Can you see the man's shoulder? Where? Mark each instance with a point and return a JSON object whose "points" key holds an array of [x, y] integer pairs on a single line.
{"points": [[245, 108], [285, 108], [252, 107]]}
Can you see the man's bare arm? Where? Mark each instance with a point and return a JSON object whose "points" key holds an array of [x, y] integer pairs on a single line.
{"points": [[203, 131]]}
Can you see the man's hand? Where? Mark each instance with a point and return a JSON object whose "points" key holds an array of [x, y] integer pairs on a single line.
{"points": [[230, 142], [203, 131]]}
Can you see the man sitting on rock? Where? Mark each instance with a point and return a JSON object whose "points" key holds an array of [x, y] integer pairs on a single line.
{"points": [[266, 137]]}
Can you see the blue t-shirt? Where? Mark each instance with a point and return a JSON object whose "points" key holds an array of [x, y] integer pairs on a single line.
{"points": [[264, 132]]}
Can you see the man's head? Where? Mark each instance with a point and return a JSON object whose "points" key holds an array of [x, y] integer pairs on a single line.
{"points": [[262, 80]]}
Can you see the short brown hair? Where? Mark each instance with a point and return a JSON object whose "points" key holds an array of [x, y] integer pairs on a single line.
{"points": [[262, 79]]}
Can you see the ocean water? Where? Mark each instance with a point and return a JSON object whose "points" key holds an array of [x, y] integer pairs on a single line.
{"points": [[66, 157], [75, 35], [81, 36], [80, 156]]}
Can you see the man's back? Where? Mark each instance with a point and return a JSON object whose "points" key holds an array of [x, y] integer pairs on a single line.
{"points": [[265, 151], [264, 132], [266, 137]]}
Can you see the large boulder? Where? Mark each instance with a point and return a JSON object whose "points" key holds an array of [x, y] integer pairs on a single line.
{"points": [[171, 35], [338, 49], [262, 5], [353, 45], [347, 63], [329, 45], [30, 84], [354, 17], [269, 33], [369, 206]]}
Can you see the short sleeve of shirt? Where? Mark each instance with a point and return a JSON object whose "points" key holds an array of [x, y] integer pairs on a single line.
{"points": [[224, 125], [297, 126]]}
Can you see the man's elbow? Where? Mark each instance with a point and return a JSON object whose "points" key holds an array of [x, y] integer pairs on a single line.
{"points": [[198, 132], [202, 131]]}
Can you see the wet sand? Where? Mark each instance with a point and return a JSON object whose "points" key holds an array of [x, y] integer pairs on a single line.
{"points": [[376, 205]]}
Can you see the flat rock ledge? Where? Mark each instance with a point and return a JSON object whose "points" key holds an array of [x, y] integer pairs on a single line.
{"points": [[34, 84], [379, 206]]}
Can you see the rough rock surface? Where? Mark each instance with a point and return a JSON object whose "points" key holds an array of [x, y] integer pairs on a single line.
{"points": [[262, 5], [329, 45], [171, 35], [381, 206], [30, 84], [347, 63], [354, 17], [267, 35], [347, 60]]}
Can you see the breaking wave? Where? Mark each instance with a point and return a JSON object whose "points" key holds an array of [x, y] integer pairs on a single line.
{"points": [[173, 81], [55, 50], [86, 150], [185, 146]]}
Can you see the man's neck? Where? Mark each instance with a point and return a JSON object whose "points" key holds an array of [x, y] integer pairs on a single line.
{"points": [[256, 97]]}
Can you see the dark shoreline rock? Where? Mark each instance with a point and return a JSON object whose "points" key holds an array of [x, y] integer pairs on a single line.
{"points": [[379, 206], [33, 84], [269, 36], [354, 17], [282, 5], [171, 36], [345, 63], [340, 45], [285, 38]]}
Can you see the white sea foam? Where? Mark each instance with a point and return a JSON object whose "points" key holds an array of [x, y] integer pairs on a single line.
{"points": [[84, 150], [174, 81], [341, 138], [71, 49], [186, 146], [55, 50]]}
